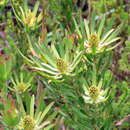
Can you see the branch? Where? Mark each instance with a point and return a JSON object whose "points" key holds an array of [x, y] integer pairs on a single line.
{"points": [[125, 119]]}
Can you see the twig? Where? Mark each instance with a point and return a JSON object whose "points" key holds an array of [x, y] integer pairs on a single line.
{"points": [[43, 22], [126, 119], [89, 11], [39, 91]]}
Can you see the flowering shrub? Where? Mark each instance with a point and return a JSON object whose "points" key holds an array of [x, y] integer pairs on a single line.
{"points": [[61, 76]]}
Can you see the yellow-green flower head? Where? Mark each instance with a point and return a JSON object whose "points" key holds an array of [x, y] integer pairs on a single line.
{"points": [[94, 92], [93, 40], [28, 16], [61, 65], [2, 2], [30, 19], [28, 123], [21, 87]]}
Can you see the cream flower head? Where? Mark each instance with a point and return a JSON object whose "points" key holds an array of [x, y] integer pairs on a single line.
{"points": [[36, 120], [95, 94], [96, 40]]}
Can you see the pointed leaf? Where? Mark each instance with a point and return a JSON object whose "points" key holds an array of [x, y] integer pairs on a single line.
{"points": [[32, 106]]}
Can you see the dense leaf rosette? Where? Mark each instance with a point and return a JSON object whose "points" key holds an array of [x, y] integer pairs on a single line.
{"points": [[95, 41], [55, 60], [35, 120], [95, 94], [26, 16]]}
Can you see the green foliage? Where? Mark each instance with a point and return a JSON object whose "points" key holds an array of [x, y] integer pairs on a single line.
{"points": [[5, 68], [123, 62], [61, 12]]}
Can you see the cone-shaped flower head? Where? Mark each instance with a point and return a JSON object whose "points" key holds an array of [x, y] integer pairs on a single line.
{"points": [[93, 40], [61, 65], [21, 87], [96, 41], [28, 123], [95, 94]]}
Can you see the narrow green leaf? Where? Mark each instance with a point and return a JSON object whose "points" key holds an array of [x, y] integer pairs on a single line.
{"points": [[109, 26], [57, 123], [66, 51], [41, 104], [61, 47], [27, 101], [32, 106], [76, 59], [77, 28], [21, 107], [115, 39], [36, 8], [52, 116], [39, 18], [108, 33], [49, 127], [46, 56], [26, 6], [45, 70], [45, 112], [23, 14], [86, 28], [115, 33], [109, 49], [82, 27], [101, 26], [16, 15], [93, 22], [50, 56], [55, 51], [28, 61], [106, 65], [41, 64]]}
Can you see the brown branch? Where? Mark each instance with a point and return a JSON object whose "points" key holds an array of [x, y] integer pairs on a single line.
{"points": [[39, 91], [39, 88], [125, 119], [43, 22], [89, 12]]}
